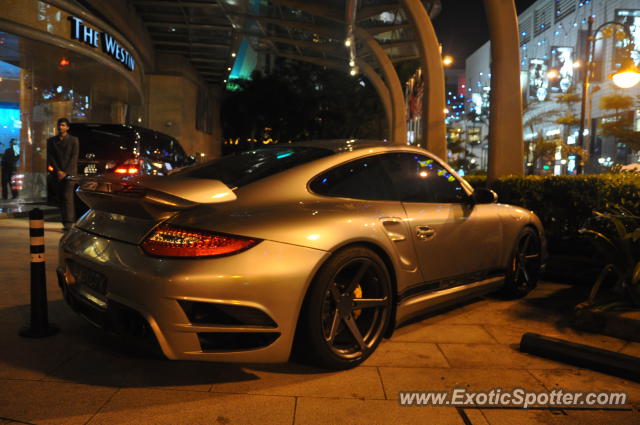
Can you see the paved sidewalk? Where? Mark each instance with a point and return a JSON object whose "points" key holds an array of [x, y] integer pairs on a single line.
{"points": [[83, 376]]}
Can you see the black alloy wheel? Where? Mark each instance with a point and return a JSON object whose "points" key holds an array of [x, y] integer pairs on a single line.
{"points": [[524, 265], [348, 309]]}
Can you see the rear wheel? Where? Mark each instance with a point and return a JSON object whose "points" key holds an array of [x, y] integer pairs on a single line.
{"points": [[524, 265], [347, 309]]}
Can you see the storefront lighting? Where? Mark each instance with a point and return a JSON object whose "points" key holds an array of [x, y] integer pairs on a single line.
{"points": [[347, 42], [229, 68], [552, 74], [233, 55]]}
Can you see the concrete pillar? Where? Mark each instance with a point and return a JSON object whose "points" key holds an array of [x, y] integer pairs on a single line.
{"points": [[399, 121], [433, 102], [506, 148]]}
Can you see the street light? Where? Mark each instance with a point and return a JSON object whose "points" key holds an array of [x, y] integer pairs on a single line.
{"points": [[626, 77], [447, 60]]}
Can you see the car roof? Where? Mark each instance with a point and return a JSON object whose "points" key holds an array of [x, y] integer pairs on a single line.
{"points": [[112, 126], [345, 145]]}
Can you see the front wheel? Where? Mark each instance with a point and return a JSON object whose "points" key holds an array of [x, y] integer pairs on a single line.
{"points": [[524, 265], [347, 309]]}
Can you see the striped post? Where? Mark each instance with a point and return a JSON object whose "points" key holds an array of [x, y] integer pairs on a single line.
{"points": [[40, 326]]}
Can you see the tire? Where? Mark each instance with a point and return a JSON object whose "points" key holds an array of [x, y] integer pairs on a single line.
{"points": [[524, 264], [346, 311]]}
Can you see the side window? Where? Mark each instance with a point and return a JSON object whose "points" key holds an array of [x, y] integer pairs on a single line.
{"points": [[419, 178], [360, 179], [164, 147], [179, 157], [147, 143]]}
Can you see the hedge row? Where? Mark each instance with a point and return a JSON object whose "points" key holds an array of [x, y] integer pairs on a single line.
{"points": [[565, 204]]}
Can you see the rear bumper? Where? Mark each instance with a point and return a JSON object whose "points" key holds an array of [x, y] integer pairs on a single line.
{"points": [[240, 308]]}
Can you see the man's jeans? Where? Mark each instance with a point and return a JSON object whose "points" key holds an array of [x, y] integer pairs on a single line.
{"points": [[64, 193], [6, 185]]}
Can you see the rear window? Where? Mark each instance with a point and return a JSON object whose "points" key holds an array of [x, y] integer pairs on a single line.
{"points": [[105, 142], [246, 167]]}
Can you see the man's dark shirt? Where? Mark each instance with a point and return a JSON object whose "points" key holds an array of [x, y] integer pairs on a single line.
{"points": [[62, 154]]}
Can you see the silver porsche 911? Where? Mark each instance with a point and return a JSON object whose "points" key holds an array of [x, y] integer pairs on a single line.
{"points": [[320, 247]]}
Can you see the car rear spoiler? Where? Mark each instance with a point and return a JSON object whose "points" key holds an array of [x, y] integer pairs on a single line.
{"points": [[151, 196]]}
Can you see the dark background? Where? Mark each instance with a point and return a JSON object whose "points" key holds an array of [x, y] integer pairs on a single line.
{"points": [[462, 27]]}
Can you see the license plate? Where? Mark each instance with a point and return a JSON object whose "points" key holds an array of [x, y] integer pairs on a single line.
{"points": [[88, 283]]}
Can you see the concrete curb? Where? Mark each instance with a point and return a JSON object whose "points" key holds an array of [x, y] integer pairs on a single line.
{"points": [[609, 362]]}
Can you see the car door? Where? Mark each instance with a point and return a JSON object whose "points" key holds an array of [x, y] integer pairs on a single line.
{"points": [[456, 241], [364, 182]]}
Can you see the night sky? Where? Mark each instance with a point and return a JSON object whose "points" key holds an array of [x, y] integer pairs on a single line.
{"points": [[462, 27]]}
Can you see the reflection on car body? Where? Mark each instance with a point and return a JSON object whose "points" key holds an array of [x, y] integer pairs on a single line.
{"points": [[323, 246]]}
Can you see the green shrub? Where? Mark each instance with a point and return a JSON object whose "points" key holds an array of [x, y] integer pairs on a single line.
{"points": [[565, 204], [621, 249]]}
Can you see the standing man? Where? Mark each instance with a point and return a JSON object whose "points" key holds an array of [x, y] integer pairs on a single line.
{"points": [[9, 168], [62, 163]]}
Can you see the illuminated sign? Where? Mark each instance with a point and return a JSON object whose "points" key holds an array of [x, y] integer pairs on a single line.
{"points": [[94, 38], [562, 63], [630, 19], [538, 82]]}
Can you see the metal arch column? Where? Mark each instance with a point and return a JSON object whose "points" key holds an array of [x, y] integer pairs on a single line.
{"points": [[399, 121], [433, 105], [383, 93], [506, 147]]}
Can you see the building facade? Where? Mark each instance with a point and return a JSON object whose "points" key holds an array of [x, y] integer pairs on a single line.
{"points": [[553, 46], [91, 61]]}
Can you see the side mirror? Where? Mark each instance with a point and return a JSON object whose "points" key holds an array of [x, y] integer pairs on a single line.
{"points": [[483, 195]]}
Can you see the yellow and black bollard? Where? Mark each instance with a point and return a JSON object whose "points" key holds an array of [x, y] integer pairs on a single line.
{"points": [[40, 326]]}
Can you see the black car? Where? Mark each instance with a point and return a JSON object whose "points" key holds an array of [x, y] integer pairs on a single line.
{"points": [[125, 150]]}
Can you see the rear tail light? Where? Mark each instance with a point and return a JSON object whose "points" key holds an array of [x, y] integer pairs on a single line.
{"points": [[170, 241], [129, 167]]}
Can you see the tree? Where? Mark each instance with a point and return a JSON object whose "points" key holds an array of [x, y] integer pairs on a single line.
{"points": [[620, 122], [568, 119], [537, 148], [301, 101]]}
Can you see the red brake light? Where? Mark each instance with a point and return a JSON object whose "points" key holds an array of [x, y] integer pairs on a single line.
{"points": [[130, 166], [169, 241]]}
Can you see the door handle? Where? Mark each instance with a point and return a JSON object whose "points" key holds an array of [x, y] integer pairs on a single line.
{"points": [[425, 232]]}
